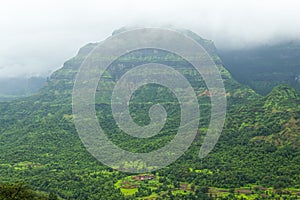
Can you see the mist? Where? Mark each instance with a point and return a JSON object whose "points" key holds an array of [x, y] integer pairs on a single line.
{"points": [[38, 36]]}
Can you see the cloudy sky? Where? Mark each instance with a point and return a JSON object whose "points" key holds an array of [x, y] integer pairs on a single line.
{"points": [[37, 36]]}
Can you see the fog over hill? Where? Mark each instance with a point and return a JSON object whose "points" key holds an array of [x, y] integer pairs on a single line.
{"points": [[16, 87], [262, 68]]}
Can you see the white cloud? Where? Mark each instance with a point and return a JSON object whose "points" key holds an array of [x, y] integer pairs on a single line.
{"points": [[38, 36]]}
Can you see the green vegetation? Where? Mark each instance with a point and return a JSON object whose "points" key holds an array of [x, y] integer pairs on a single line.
{"points": [[21, 191], [257, 156]]}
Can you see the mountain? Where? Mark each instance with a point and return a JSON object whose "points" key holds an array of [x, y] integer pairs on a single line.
{"points": [[259, 147], [264, 67]]}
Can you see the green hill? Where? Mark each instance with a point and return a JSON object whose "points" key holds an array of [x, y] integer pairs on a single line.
{"points": [[259, 145]]}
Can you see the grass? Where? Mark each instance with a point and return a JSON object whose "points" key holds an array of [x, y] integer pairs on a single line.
{"points": [[26, 164], [248, 192], [129, 192]]}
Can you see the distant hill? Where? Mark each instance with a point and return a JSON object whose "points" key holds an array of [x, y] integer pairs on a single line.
{"points": [[264, 67], [17, 87]]}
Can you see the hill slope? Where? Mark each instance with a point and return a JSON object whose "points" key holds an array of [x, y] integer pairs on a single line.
{"points": [[39, 143]]}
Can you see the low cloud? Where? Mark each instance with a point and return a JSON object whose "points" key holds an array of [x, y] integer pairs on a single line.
{"points": [[38, 36]]}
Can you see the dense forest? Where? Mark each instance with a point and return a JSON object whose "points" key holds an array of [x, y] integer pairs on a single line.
{"points": [[256, 157]]}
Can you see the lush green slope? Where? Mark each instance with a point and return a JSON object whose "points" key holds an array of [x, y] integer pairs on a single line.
{"points": [[21, 191], [259, 145]]}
